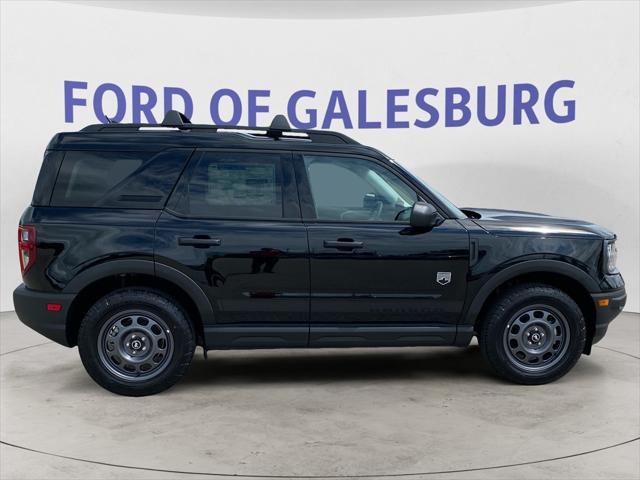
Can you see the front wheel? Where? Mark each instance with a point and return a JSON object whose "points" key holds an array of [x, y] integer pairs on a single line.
{"points": [[533, 334], [136, 342]]}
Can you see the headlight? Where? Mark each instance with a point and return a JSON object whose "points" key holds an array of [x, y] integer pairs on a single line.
{"points": [[610, 257]]}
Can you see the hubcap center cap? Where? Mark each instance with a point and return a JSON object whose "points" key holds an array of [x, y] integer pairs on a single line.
{"points": [[136, 344]]}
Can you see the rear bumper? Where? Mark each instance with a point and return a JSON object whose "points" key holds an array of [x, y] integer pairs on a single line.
{"points": [[32, 310], [606, 313]]}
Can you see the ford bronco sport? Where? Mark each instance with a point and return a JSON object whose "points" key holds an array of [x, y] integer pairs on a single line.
{"points": [[144, 241]]}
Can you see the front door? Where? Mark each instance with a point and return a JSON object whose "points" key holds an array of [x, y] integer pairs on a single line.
{"points": [[233, 225], [374, 279]]}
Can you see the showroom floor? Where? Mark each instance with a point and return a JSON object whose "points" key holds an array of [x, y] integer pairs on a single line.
{"points": [[417, 412]]}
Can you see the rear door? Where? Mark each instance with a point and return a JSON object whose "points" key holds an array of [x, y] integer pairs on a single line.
{"points": [[234, 226]]}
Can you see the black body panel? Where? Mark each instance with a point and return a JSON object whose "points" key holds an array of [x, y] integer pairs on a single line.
{"points": [[257, 274], [392, 278], [617, 300], [71, 241], [31, 308], [290, 281]]}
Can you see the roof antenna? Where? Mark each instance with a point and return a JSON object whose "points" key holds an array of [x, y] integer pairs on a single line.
{"points": [[278, 125], [174, 118], [108, 120]]}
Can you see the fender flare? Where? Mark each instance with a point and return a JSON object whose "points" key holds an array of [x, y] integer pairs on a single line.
{"points": [[108, 269], [199, 298], [144, 267], [529, 266]]}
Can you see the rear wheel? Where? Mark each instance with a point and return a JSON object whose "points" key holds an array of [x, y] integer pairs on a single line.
{"points": [[533, 334], [136, 342]]}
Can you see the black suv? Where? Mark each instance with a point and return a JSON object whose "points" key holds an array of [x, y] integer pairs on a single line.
{"points": [[144, 241]]}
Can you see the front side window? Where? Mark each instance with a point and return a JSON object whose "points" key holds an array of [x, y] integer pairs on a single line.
{"points": [[236, 185], [353, 189]]}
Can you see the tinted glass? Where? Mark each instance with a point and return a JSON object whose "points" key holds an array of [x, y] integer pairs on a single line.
{"points": [[236, 185], [85, 178], [151, 184], [47, 177], [352, 189]]}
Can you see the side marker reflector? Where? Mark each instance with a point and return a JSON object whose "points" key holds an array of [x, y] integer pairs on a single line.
{"points": [[603, 302], [54, 307]]}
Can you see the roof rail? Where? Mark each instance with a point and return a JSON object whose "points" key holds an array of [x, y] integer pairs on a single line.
{"points": [[278, 130]]}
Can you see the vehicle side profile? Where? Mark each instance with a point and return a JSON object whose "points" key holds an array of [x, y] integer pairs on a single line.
{"points": [[145, 241]]}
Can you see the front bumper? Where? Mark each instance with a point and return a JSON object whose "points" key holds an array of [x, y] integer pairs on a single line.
{"points": [[32, 308], [608, 305]]}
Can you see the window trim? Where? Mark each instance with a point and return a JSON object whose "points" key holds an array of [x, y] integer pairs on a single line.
{"points": [[307, 204], [290, 204]]}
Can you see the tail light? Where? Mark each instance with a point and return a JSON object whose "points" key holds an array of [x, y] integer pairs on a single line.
{"points": [[26, 247]]}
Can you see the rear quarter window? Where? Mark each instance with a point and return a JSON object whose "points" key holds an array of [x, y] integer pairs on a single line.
{"points": [[118, 179], [46, 178]]}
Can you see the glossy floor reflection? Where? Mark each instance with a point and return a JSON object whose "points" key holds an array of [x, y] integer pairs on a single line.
{"points": [[322, 412]]}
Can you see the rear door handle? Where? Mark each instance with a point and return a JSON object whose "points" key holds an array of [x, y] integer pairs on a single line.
{"points": [[199, 242], [345, 244]]}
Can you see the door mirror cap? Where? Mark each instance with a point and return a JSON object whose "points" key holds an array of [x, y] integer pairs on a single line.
{"points": [[424, 216]]}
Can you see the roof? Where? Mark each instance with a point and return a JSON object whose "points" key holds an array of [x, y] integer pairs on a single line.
{"points": [[177, 131]]}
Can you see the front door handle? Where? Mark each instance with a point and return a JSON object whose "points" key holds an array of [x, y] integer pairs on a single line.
{"points": [[199, 241], [343, 244]]}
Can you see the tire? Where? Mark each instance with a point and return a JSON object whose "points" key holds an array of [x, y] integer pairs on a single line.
{"points": [[136, 342], [533, 334]]}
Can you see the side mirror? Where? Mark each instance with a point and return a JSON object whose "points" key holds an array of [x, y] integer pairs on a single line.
{"points": [[424, 216]]}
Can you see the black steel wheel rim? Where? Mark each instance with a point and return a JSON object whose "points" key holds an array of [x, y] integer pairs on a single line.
{"points": [[135, 346], [536, 338]]}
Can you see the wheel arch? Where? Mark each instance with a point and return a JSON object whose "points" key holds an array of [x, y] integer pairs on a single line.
{"points": [[566, 277], [94, 283]]}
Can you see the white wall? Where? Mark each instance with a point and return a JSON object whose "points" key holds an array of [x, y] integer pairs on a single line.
{"points": [[587, 168]]}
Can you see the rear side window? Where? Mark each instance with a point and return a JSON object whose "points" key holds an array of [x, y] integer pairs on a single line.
{"points": [[236, 185], [117, 179]]}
